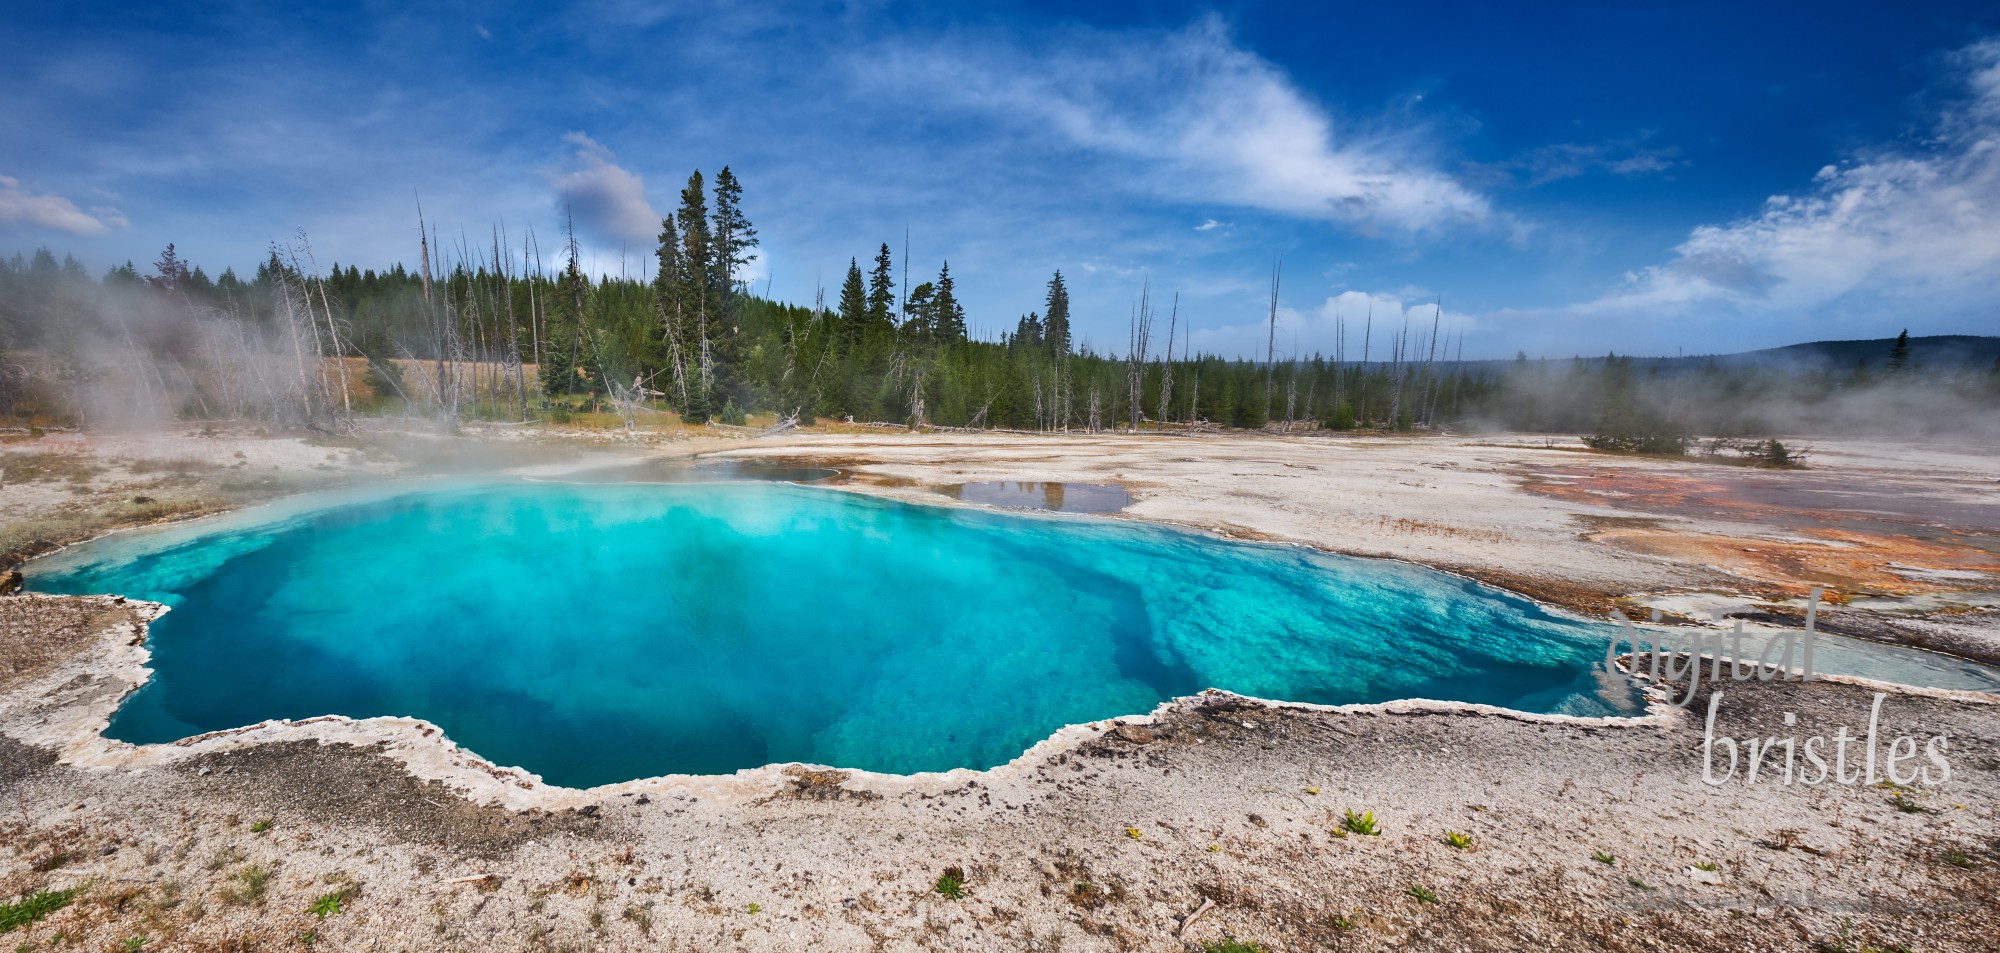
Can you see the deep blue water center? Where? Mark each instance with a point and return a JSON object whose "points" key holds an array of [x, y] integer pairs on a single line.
{"points": [[599, 633]]}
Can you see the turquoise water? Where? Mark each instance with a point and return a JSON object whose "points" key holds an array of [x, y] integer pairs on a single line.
{"points": [[598, 633]]}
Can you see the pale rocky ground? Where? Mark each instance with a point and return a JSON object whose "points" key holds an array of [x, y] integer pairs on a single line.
{"points": [[1105, 837]]}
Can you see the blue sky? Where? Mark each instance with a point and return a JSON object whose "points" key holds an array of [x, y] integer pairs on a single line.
{"points": [[1581, 178]]}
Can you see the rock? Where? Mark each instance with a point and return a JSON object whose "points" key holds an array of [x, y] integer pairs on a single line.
{"points": [[1136, 734], [10, 582]]}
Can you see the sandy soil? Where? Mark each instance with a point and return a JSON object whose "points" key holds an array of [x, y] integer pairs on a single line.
{"points": [[1216, 816]]}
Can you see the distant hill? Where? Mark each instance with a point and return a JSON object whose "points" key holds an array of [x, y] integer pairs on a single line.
{"points": [[1938, 352]]}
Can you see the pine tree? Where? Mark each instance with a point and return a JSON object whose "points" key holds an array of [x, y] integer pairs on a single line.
{"points": [[732, 235], [1028, 332], [1899, 355], [171, 273], [881, 290], [670, 300], [855, 307], [1055, 323], [560, 370], [949, 314], [920, 311], [702, 305]]}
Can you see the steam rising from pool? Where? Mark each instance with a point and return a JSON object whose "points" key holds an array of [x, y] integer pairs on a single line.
{"points": [[598, 633]]}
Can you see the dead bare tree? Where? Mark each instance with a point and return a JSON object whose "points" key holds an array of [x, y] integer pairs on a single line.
{"points": [[1135, 357], [1167, 363], [1271, 340]]}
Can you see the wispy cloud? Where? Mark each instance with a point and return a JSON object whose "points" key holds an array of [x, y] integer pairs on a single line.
{"points": [[608, 202], [51, 211], [1208, 226], [1201, 119], [1905, 235], [1555, 162]]}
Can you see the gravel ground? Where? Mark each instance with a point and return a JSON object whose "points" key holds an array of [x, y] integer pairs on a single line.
{"points": [[1215, 817]]}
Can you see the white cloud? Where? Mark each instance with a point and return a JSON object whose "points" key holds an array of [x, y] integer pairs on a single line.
{"points": [[1901, 229], [1208, 226], [484, 33], [48, 210], [1206, 120], [608, 202], [1372, 320]]}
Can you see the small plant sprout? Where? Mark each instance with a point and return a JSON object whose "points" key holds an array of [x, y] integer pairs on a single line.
{"points": [[34, 906], [1708, 865], [754, 908], [1636, 882], [1362, 823], [1215, 848], [133, 944], [260, 825], [1230, 944], [1312, 790], [1907, 804], [951, 884], [1134, 833], [251, 882], [1604, 858], [1458, 840], [326, 906], [1422, 893]]}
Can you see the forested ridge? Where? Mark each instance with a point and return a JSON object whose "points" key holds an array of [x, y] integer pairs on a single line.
{"points": [[503, 328]]}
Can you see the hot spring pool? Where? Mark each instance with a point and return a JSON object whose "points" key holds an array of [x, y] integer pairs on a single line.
{"points": [[599, 633]]}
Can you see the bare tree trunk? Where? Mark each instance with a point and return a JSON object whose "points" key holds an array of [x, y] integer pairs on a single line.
{"points": [[1430, 386], [1367, 335], [1167, 365], [1135, 358], [1271, 341]]}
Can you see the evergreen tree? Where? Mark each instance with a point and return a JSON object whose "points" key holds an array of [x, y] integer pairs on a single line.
{"points": [[1055, 323], [855, 307], [1028, 332], [920, 312], [670, 303], [948, 316], [702, 306], [561, 370], [881, 290], [170, 272], [730, 239], [731, 235], [1899, 355]]}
